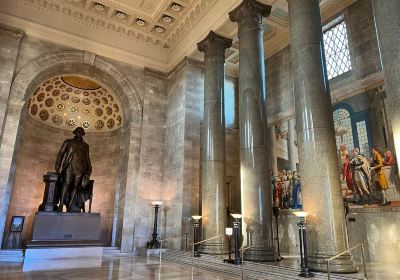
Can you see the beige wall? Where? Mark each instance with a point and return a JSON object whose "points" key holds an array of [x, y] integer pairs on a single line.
{"points": [[37, 154]]}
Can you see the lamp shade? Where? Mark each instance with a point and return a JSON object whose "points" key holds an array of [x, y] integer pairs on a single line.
{"points": [[300, 214], [157, 202], [196, 218], [236, 216]]}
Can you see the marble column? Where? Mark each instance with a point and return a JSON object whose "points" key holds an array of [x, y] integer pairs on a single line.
{"points": [[213, 158], [255, 185], [291, 145], [387, 21], [273, 160], [320, 181]]}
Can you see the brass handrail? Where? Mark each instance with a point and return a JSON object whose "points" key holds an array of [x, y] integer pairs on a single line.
{"points": [[361, 245], [208, 239]]}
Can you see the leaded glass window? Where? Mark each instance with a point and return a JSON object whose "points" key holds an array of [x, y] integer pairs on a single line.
{"points": [[343, 132], [363, 138], [337, 53]]}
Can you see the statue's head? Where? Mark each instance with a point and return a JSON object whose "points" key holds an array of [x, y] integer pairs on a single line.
{"points": [[79, 131], [356, 151]]}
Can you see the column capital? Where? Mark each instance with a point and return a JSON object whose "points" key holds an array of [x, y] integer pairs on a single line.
{"points": [[214, 45], [249, 15]]}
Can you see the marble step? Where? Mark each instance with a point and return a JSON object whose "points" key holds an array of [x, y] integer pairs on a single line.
{"points": [[251, 270], [15, 256]]}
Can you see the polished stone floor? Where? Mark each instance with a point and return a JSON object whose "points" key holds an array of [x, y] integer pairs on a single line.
{"points": [[124, 268], [135, 268]]}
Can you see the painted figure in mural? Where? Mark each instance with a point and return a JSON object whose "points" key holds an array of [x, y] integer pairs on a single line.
{"points": [[343, 152], [73, 163], [296, 193], [380, 179], [278, 191], [389, 159], [361, 176], [286, 193], [348, 174]]}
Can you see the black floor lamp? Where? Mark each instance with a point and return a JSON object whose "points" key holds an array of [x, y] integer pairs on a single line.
{"points": [[237, 229], [154, 243], [196, 235], [305, 272]]}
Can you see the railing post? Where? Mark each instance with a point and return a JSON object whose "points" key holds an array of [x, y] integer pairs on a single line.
{"points": [[241, 262], [192, 256], [222, 246], [363, 260], [329, 269]]}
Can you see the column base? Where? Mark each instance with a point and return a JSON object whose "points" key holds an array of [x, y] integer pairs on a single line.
{"points": [[343, 264], [260, 254], [213, 248]]}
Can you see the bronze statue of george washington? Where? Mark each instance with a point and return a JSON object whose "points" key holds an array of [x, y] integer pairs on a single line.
{"points": [[73, 163]]}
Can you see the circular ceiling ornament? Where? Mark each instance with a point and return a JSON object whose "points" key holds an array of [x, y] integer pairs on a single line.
{"points": [[49, 102], [56, 92], [34, 109], [56, 119], [85, 124], [60, 107], [81, 102], [71, 122], [44, 114], [73, 110]]}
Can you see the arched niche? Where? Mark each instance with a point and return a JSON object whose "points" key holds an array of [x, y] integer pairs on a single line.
{"points": [[18, 119]]}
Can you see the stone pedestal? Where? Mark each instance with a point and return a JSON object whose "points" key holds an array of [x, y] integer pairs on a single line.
{"points": [[255, 185], [213, 159], [54, 229], [50, 197], [321, 190]]}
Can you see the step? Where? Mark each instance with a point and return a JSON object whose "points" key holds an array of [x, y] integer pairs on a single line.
{"points": [[15, 256], [252, 270]]}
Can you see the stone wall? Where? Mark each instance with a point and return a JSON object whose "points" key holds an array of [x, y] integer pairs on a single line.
{"points": [[182, 149], [37, 155]]}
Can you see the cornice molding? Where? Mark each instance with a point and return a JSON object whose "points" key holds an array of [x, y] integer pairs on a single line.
{"points": [[77, 42]]}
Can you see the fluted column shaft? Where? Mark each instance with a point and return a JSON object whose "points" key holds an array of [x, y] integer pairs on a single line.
{"points": [[291, 145], [214, 210], [316, 140], [255, 186], [387, 19]]}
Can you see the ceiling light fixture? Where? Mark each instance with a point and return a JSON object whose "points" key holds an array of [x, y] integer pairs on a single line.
{"points": [[159, 29], [167, 19], [140, 22], [176, 7], [121, 15], [99, 6]]}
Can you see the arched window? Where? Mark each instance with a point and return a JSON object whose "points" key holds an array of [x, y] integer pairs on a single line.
{"points": [[343, 129]]}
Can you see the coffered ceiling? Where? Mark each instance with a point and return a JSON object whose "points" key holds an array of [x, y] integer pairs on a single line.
{"points": [[146, 33]]}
